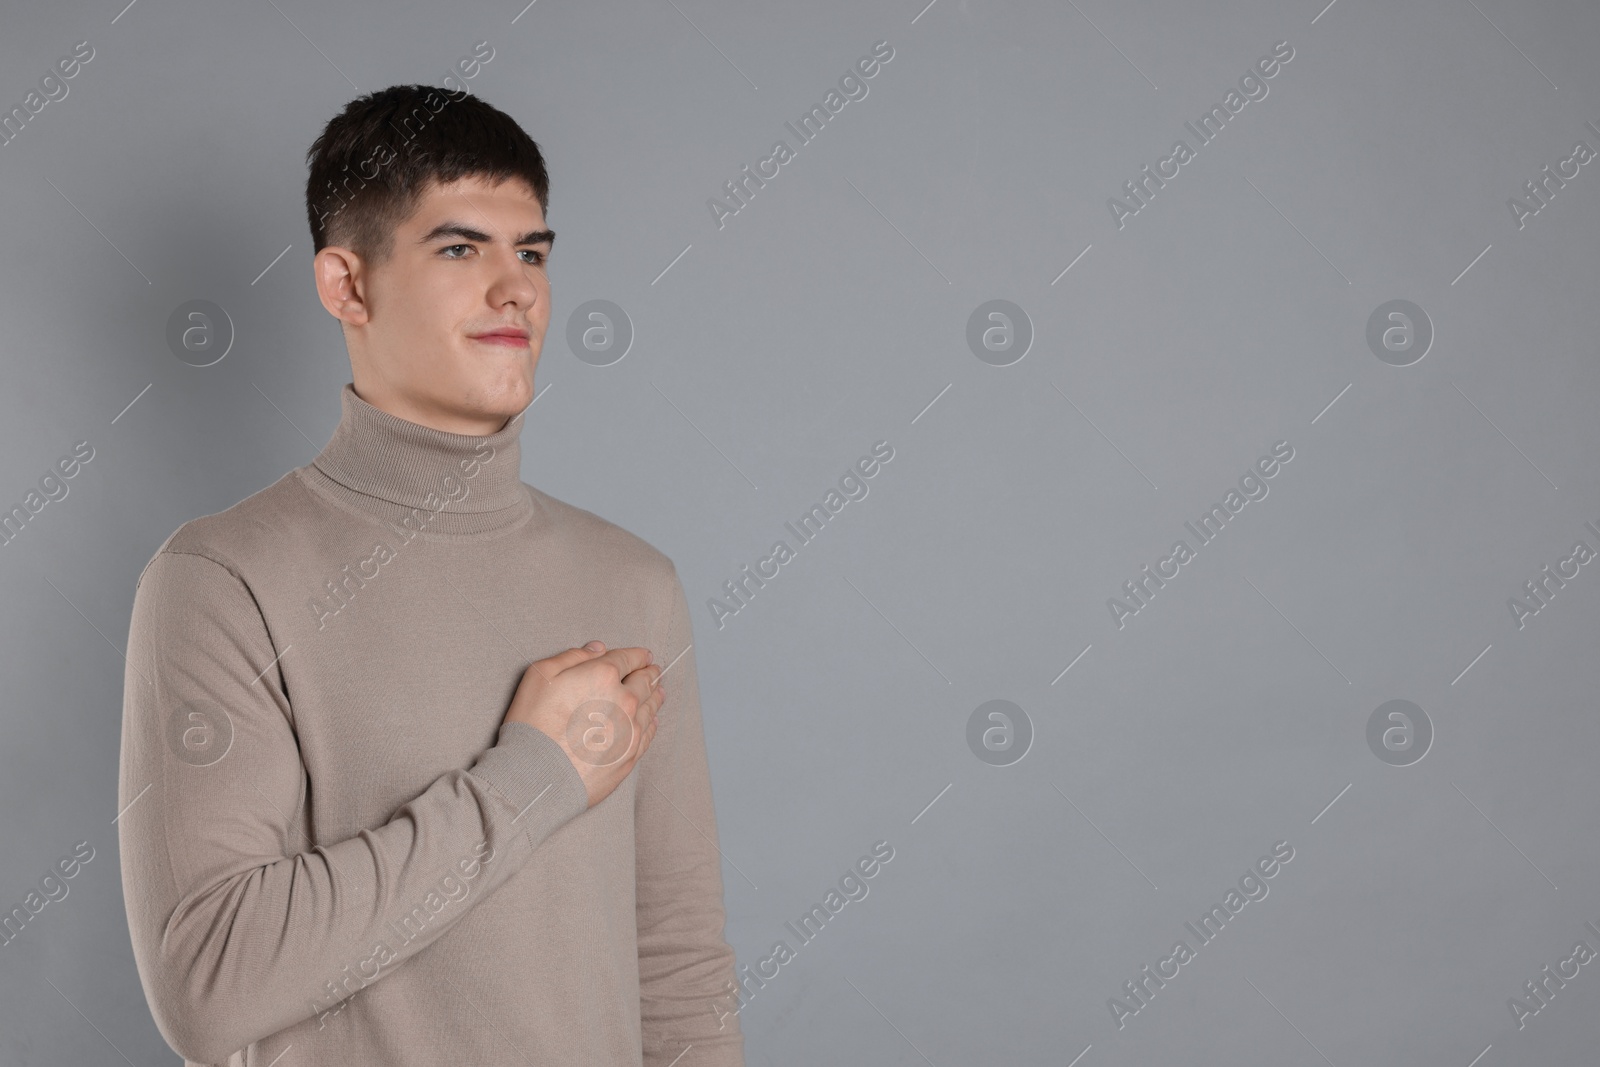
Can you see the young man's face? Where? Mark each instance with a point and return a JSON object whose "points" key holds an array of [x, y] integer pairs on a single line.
{"points": [[471, 260]]}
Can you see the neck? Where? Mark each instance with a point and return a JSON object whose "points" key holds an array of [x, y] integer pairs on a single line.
{"points": [[428, 413], [421, 478]]}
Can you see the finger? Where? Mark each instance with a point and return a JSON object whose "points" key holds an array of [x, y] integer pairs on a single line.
{"points": [[641, 741], [626, 660], [551, 666], [642, 684], [562, 660]]}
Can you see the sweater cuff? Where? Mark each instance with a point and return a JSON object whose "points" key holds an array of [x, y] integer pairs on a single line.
{"points": [[527, 763]]}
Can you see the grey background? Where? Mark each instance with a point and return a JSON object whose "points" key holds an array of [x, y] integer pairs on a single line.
{"points": [[831, 312]]}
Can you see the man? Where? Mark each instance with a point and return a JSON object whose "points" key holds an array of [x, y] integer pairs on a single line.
{"points": [[376, 805]]}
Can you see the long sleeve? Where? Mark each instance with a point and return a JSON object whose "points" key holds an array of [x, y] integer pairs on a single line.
{"points": [[686, 968], [240, 925]]}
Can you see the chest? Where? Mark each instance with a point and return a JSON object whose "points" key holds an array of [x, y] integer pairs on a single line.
{"points": [[400, 669]]}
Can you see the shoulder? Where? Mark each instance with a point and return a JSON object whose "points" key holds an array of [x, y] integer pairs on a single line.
{"points": [[592, 537], [268, 523]]}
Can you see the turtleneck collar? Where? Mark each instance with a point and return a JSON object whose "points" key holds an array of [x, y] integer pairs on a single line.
{"points": [[447, 484]]}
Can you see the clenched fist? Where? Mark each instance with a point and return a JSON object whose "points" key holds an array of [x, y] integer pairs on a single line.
{"points": [[600, 706]]}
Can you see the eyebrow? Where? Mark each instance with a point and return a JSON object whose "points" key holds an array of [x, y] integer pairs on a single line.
{"points": [[467, 233]]}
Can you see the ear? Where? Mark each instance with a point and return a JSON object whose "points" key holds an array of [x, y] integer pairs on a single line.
{"points": [[341, 285]]}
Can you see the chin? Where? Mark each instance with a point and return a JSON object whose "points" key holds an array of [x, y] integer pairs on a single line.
{"points": [[513, 394]]}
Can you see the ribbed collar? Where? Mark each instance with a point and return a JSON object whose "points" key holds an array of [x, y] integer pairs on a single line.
{"points": [[433, 481]]}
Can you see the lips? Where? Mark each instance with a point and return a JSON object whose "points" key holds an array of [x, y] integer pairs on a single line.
{"points": [[512, 337]]}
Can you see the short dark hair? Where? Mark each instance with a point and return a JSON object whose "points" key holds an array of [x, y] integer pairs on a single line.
{"points": [[374, 160]]}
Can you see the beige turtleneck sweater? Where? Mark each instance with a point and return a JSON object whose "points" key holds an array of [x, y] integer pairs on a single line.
{"points": [[333, 848]]}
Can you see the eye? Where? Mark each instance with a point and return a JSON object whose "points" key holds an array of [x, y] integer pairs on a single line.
{"points": [[542, 256], [448, 247]]}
